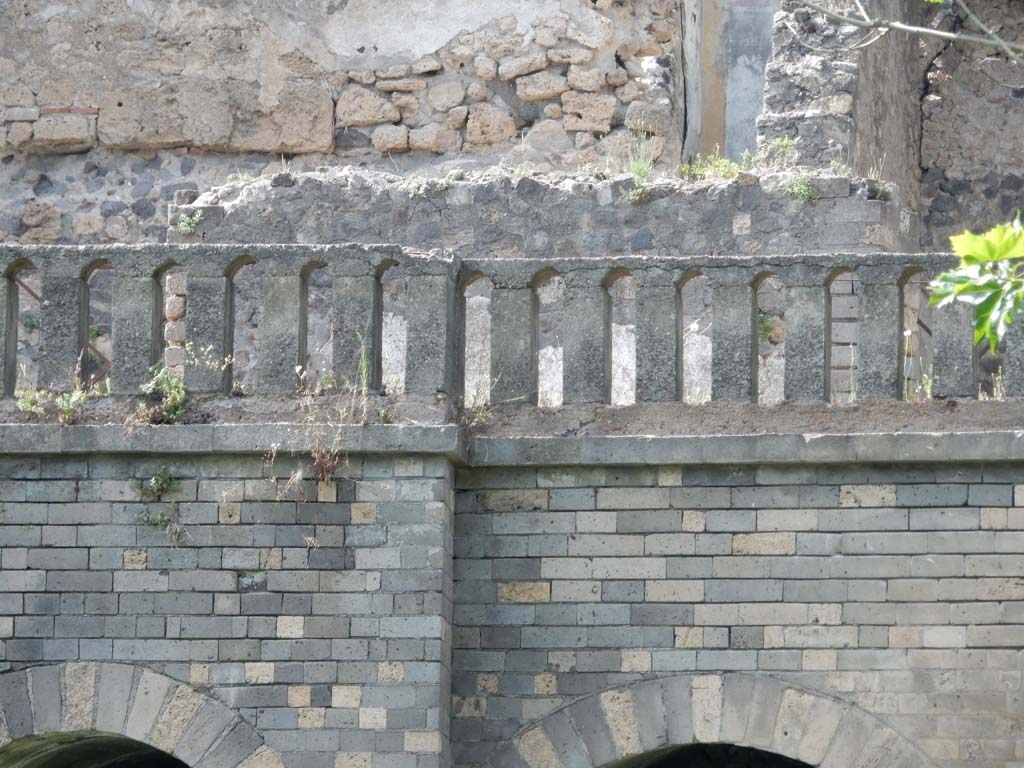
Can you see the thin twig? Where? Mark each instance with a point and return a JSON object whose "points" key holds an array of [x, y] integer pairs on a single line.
{"points": [[899, 26], [987, 30]]}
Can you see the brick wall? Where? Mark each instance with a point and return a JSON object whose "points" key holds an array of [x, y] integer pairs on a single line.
{"points": [[895, 587], [319, 612], [322, 614]]}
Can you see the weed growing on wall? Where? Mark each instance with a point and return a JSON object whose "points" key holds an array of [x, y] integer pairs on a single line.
{"points": [[777, 155], [166, 518], [801, 190], [31, 400], [158, 485], [166, 397], [68, 406], [188, 223]]}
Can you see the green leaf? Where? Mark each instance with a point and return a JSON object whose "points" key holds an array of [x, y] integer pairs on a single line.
{"points": [[986, 278]]}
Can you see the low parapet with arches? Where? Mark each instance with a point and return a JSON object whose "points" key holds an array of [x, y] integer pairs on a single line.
{"points": [[617, 330], [748, 710], [133, 702]]}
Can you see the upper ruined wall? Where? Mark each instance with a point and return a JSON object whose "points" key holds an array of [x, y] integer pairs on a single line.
{"points": [[349, 77], [972, 148]]}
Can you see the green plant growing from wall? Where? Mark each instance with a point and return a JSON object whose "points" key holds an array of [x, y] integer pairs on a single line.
{"points": [[31, 400], [159, 485], [709, 167], [990, 277], [188, 223], [166, 395], [30, 323], [801, 190], [166, 518], [70, 404]]}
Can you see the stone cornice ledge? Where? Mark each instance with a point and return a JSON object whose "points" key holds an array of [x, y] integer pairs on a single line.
{"points": [[496, 450], [749, 449], [226, 438]]}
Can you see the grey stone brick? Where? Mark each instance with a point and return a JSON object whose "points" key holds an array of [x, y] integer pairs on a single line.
{"points": [[931, 495]]}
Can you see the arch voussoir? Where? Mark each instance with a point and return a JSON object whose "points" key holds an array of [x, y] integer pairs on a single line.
{"points": [[134, 702], [748, 710], [568, 744]]}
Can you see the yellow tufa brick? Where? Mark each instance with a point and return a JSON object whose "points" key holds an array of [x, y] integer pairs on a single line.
{"points": [[134, 559], [1018, 495], [326, 491], [346, 696], [818, 660], [545, 684], [423, 742], [774, 637], [290, 626], [689, 637], [373, 718], [312, 717], [298, 695], [867, 495], [994, 518], [780, 543], [364, 513], [694, 520], [353, 760], [524, 592], [199, 674], [636, 661], [229, 513], [905, 637], [487, 683], [390, 672], [259, 672]]}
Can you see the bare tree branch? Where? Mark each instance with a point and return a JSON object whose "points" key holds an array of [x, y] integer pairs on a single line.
{"points": [[986, 29], [991, 41]]}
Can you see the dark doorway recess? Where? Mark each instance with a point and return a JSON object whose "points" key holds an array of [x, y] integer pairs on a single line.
{"points": [[706, 756], [84, 750]]}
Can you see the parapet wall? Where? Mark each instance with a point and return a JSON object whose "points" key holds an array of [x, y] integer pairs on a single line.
{"points": [[554, 331]]}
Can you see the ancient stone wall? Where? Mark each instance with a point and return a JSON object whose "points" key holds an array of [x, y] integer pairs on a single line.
{"points": [[972, 156], [355, 78], [317, 613], [883, 585], [501, 215]]}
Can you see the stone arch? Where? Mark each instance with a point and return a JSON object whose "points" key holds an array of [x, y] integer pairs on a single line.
{"points": [[746, 710], [137, 703]]}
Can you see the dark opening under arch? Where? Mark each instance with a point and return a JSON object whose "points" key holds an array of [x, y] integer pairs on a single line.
{"points": [[86, 749], [708, 756]]}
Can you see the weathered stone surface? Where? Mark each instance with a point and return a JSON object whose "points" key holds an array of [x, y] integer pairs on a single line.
{"points": [[583, 79], [516, 66], [435, 138], [63, 133], [541, 86], [79, 696], [588, 112], [181, 707], [447, 95], [489, 125], [390, 138], [359, 106]]}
